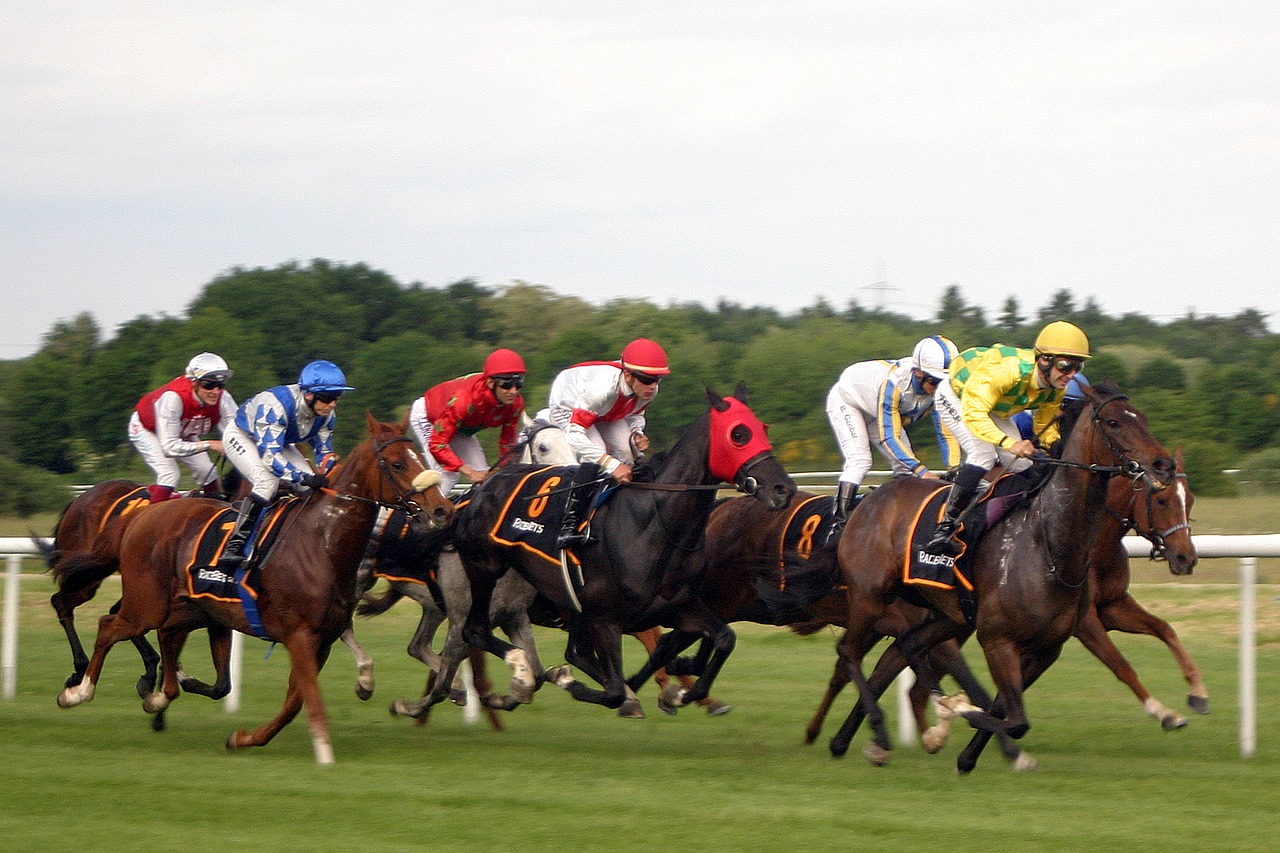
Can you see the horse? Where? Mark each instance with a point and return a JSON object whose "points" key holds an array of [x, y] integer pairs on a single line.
{"points": [[418, 566], [749, 578], [306, 579], [1162, 518], [637, 569], [77, 530], [1030, 572]]}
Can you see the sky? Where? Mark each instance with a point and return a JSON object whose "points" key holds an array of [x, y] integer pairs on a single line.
{"points": [[763, 153]]}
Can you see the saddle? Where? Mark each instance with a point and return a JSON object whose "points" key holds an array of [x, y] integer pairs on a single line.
{"points": [[206, 580], [125, 504], [532, 516], [801, 568], [1003, 494]]}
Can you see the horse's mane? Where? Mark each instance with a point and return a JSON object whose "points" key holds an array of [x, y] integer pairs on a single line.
{"points": [[1072, 408]]}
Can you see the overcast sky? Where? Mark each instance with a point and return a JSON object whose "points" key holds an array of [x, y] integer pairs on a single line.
{"points": [[767, 153]]}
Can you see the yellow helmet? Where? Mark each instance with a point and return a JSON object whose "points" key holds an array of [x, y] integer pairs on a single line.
{"points": [[1062, 338]]}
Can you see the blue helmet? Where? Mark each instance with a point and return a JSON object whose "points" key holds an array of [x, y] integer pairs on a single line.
{"points": [[1073, 387], [323, 376]]}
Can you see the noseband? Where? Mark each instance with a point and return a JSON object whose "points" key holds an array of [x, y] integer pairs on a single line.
{"points": [[1159, 549]]}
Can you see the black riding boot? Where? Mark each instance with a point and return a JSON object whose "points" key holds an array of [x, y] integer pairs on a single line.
{"points": [[579, 492], [233, 554], [962, 490], [845, 496]]}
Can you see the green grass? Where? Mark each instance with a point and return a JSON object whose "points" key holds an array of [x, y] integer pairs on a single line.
{"points": [[566, 775]]}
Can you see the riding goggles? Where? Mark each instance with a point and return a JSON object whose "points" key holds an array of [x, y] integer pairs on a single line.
{"points": [[1066, 365], [645, 379], [327, 396], [210, 384]]}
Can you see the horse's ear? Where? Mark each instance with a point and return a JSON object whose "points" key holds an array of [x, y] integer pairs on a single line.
{"points": [[741, 391], [717, 402], [371, 421], [1177, 458], [403, 426]]}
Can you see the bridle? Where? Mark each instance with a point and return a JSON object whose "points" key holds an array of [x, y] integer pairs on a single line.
{"points": [[403, 498], [1130, 468], [1159, 548]]}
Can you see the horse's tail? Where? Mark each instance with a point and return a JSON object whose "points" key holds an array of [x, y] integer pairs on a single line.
{"points": [[806, 629], [84, 570], [47, 549], [373, 605]]}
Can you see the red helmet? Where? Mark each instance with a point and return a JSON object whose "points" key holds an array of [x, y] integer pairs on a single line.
{"points": [[503, 361], [644, 356]]}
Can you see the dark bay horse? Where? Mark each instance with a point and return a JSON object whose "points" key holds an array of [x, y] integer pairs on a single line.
{"points": [[636, 573], [307, 580], [746, 565], [1163, 518], [1030, 571], [81, 526]]}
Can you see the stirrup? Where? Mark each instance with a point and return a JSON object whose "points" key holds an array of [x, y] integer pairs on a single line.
{"points": [[943, 544]]}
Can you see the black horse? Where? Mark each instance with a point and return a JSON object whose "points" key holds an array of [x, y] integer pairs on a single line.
{"points": [[636, 573]]}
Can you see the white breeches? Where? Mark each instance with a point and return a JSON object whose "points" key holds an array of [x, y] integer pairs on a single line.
{"points": [[166, 467], [239, 447], [853, 434]]}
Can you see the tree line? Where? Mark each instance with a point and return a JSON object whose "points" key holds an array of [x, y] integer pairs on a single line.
{"points": [[1209, 384]]}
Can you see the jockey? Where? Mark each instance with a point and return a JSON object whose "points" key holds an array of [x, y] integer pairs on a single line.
{"points": [[447, 417], [600, 405], [873, 402], [167, 423], [1073, 395], [262, 443], [989, 385]]}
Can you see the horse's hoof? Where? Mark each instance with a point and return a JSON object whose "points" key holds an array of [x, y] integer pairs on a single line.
{"points": [[718, 709], [73, 679], [560, 676], [631, 710], [838, 748], [458, 697], [67, 700], [232, 743], [416, 710], [145, 686], [1024, 763], [1199, 704], [933, 740], [1173, 722], [672, 699], [877, 754], [159, 723], [364, 694], [154, 703]]}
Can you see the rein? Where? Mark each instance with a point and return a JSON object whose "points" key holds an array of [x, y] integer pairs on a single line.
{"points": [[1159, 550]]}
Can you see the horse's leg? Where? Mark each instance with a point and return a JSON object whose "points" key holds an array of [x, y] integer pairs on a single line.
{"points": [[364, 663], [65, 604], [306, 659], [839, 679], [595, 648], [484, 686], [947, 658], [112, 628], [220, 652], [1007, 709], [1127, 615]]}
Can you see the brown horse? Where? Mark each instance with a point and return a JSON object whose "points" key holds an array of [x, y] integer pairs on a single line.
{"points": [[745, 566], [1030, 571], [307, 580], [1163, 518], [93, 520]]}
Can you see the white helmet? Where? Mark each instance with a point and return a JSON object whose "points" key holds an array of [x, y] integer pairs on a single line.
{"points": [[933, 355], [208, 365]]}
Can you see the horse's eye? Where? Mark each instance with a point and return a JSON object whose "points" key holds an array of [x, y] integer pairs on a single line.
{"points": [[740, 435]]}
